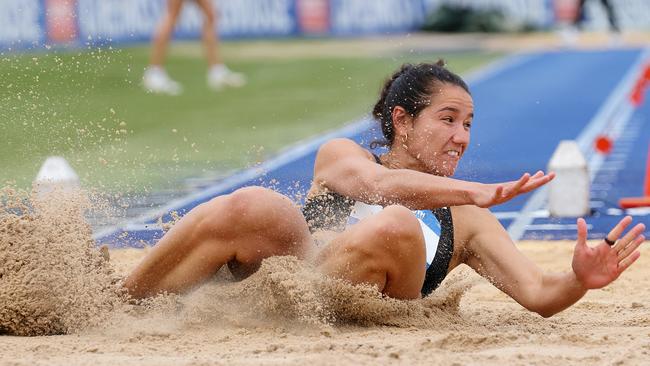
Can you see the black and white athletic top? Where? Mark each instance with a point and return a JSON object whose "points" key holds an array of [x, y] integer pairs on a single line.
{"points": [[333, 211]]}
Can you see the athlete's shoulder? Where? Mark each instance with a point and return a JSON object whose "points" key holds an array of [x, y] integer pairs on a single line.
{"points": [[340, 142], [342, 147]]}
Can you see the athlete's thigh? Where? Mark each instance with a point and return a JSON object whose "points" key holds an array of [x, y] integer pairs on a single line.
{"points": [[174, 7], [273, 226], [333, 244], [205, 6]]}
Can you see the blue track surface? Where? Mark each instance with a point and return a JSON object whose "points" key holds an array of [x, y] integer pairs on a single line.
{"points": [[522, 112]]}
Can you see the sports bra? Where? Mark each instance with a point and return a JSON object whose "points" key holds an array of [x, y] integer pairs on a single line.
{"points": [[333, 211]]}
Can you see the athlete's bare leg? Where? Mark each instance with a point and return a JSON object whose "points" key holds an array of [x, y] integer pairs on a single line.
{"points": [[164, 32], [209, 34], [239, 229], [386, 250]]}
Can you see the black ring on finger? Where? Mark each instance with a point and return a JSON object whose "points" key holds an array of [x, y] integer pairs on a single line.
{"points": [[609, 242]]}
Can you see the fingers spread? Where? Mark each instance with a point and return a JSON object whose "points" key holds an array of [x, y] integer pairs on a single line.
{"points": [[538, 174], [525, 184], [631, 247], [619, 228], [631, 235], [520, 183], [535, 183], [516, 188], [627, 262]]}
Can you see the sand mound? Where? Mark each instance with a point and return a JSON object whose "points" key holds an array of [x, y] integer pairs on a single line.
{"points": [[52, 277], [288, 292]]}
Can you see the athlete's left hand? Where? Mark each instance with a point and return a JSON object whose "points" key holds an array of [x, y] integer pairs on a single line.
{"points": [[599, 266], [489, 195]]}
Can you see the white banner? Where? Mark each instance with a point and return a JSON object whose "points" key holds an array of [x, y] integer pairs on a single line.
{"points": [[257, 17], [21, 21], [377, 16], [134, 20]]}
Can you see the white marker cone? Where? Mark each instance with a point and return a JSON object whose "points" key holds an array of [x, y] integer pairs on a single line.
{"points": [[568, 194], [56, 174]]}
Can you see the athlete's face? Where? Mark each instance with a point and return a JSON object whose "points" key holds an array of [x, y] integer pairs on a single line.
{"points": [[439, 135]]}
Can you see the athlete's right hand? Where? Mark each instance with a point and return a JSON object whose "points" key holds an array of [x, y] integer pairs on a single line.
{"points": [[488, 195]]}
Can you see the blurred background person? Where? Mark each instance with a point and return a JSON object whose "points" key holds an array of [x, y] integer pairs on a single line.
{"points": [[615, 31], [611, 15], [155, 77]]}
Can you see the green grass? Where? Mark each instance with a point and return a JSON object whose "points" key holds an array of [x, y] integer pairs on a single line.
{"points": [[88, 106]]}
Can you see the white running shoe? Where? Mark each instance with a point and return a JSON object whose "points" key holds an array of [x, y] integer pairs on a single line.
{"points": [[615, 39], [569, 36], [221, 76], [156, 80]]}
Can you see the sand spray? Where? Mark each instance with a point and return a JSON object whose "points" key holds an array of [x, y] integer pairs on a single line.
{"points": [[54, 279]]}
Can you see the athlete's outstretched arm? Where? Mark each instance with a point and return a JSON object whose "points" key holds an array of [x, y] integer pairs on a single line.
{"points": [[345, 167], [491, 253]]}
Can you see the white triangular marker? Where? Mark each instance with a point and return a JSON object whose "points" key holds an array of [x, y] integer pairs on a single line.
{"points": [[56, 173], [56, 169]]}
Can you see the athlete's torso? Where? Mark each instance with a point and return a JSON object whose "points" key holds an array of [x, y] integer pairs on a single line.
{"points": [[333, 211]]}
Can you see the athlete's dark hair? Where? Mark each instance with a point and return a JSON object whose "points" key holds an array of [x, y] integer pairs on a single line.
{"points": [[411, 88]]}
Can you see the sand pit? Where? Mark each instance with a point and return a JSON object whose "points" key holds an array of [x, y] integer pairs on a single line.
{"points": [[288, 314], [610, 326]]}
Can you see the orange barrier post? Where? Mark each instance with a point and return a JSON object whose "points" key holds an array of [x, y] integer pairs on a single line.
{"points": [[636, 96], [644, 201]]}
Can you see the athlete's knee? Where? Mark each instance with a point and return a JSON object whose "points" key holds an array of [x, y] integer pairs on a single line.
{"points": [[257, 209], [397, 224], [244, 202], [172, 15], [262, 207], [399, 235], [404, 252], [208, 19], [386, 233], [229, 213]]}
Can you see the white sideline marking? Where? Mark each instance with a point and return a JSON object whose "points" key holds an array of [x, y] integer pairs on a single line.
{"points": [[617, 99], [557, 227], [294, 152], [504, 215], [640, 211]]}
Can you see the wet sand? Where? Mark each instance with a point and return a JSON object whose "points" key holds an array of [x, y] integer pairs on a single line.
{"points": [[609, 326]]}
